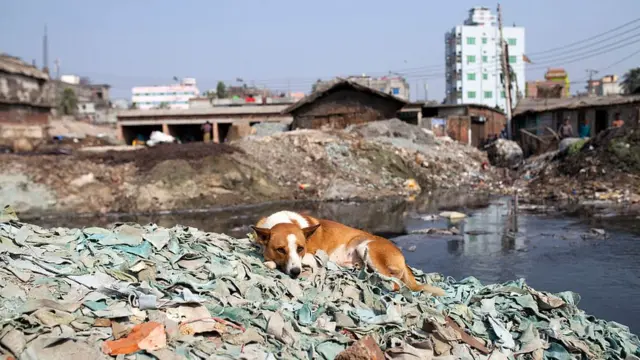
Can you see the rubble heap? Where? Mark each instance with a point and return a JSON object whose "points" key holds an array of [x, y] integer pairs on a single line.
{"points": [[374, 159], [181, 293], [604, 168]]}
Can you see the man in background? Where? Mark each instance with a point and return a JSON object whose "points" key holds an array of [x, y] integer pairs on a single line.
{"points": [[566, 130], [618, 122]]}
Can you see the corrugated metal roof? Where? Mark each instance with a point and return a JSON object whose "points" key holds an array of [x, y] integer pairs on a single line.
{"points": [[542, 105], [217, 110]]}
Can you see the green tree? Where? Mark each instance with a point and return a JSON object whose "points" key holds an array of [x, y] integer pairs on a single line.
{"points": [[163, 105], [133, 106], [221, 90], [631, 81], [68, 102]]}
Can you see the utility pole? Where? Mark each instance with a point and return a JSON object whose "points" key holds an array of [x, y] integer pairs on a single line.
{"points": [[589, 85], [426, 91], [505, 74]]}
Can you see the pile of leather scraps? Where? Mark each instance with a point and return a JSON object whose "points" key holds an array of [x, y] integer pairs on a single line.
{"points": [[146, 292]]}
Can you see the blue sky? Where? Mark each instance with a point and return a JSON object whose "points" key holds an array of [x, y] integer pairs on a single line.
{"points": [[288, 44]]}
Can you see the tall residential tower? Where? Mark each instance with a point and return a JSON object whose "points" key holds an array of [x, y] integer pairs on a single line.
{"points": [[472, 55]]}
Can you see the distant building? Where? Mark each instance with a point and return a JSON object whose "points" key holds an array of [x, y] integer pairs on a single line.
{"points": [[26, 99], [537, 116], [473, 66], [555, 85], [606, 86], [120, 104], [175, 96], [343, 103], [392, 85]]}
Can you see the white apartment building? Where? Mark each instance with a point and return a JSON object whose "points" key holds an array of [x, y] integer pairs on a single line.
{"points": [[175, 96], [472, 55]]}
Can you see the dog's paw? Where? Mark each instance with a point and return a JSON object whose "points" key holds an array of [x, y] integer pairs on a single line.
{"points": [[270, 264]]}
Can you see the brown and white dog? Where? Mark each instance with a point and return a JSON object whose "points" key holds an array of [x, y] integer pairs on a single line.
{"points": [[286, 237]]}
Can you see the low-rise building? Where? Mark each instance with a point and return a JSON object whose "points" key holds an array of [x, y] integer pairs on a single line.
{"points": [[534, 119], [470, 124], [555, 85], [25, 100], [185, 124], [606, 86], [343, 103], [174, 96]]}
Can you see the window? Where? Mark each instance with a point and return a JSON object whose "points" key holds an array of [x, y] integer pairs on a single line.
{"points": [[488, 94], [471, 41], [485, 59], [511, 42], [471, 59], [471, 76], [471, 94], [485, 76], [484, 41], [503, 94], [395, 91], [512, 59]]}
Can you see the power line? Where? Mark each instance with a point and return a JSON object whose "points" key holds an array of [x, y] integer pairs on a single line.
{"points": [[435, 71], [621, 60], [563, 47]]}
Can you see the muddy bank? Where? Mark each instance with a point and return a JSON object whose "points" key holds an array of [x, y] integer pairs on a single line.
{"points": [[393, 159]]}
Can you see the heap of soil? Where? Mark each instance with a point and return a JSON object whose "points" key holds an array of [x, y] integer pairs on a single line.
{"points": [[146, 159]]}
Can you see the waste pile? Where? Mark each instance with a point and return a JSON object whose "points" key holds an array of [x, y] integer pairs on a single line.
{"points": [[605, 168], [369, 160], [180, 293], [505, 153]]}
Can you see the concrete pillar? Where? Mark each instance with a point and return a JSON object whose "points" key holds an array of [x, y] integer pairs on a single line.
{"points": [[165, 129], [216, 137], [119, 132]]}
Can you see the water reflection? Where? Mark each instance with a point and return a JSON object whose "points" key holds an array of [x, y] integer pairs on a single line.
{"points": [[387, 217]]}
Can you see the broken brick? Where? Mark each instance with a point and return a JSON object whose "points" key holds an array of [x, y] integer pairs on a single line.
{"points": [[364, 349], [102, 322], [146, 336]]}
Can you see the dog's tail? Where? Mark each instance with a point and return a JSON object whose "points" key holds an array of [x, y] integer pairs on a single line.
{"points": [[412, 284]]}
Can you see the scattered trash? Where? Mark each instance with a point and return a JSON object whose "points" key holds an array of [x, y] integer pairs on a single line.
{"points": [[452, 215], [77, 294], [158, 137]]}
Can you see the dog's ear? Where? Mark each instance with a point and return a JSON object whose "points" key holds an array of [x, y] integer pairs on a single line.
{"points": [[263, 235], [309, 230]]}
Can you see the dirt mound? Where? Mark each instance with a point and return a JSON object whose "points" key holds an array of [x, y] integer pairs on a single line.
{"points": [[146, 158], [393, 128]]}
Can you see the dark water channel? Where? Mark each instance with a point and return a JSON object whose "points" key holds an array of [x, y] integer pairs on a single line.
{"points": [[549, 251]]}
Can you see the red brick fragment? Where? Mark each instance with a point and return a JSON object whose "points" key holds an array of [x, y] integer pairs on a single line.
{"points": [[364, 349]]}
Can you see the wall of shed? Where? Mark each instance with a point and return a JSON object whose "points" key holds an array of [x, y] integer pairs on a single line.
{"points": [[538, 122], [345, 107], [17, 89]]}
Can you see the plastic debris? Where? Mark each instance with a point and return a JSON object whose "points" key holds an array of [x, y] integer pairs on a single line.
{"points": [[181, 293]]}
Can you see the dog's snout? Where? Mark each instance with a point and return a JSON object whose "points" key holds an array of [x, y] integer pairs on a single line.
{"points": [[295, 272]]}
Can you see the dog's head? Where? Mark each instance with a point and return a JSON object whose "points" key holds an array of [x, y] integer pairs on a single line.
{"points": [[285, 245]]}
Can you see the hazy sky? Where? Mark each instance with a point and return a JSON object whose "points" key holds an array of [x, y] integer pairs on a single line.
{"points": [[288, 43]]}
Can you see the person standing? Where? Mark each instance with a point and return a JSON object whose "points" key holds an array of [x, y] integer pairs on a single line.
{"points": [[618, 122], [585, 129], [566, 130], [206, 129]]}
